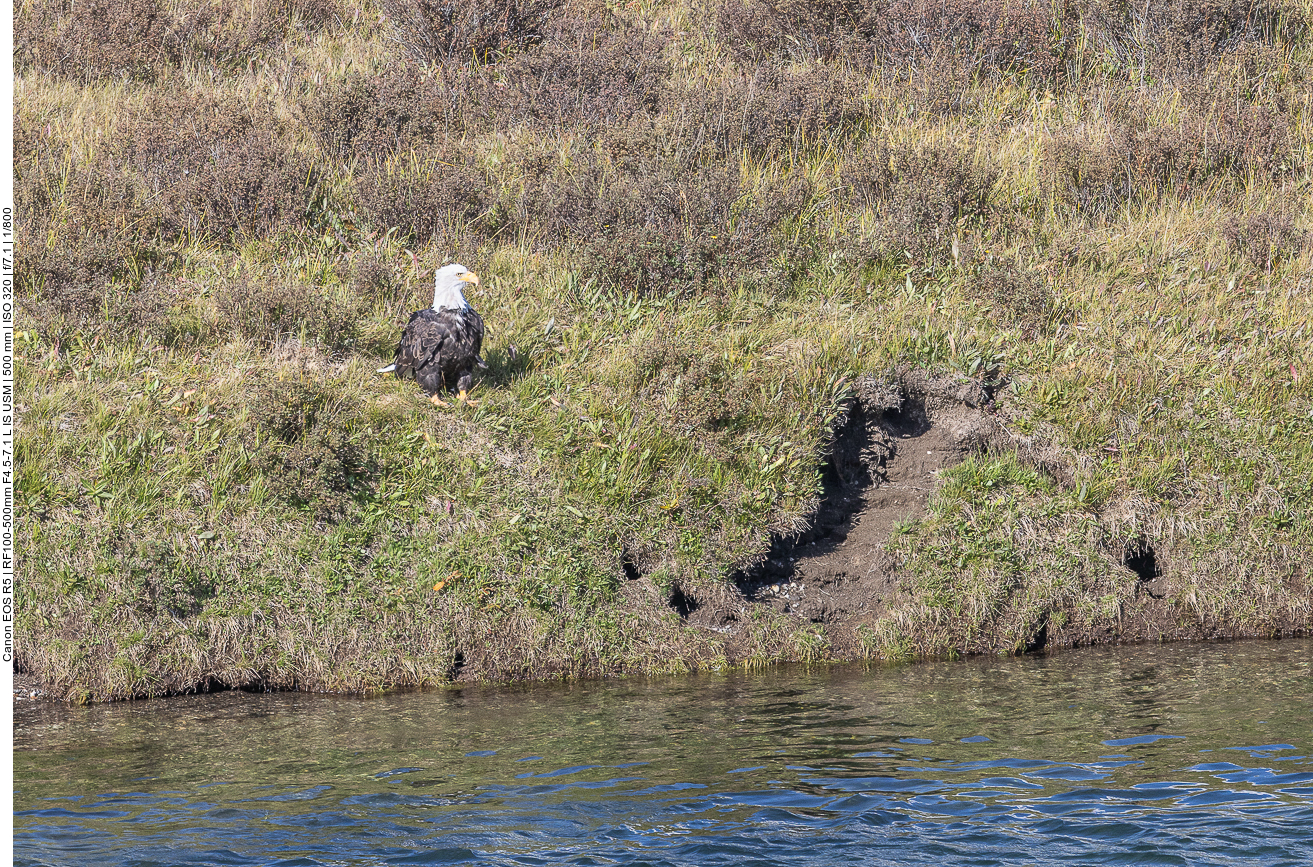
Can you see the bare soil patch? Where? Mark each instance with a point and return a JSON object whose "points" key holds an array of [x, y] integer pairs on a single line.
{"points": [[881, 471]]}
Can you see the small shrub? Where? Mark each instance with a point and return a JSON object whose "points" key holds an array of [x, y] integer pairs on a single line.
{"points": [[228, 33], [1179, 39], [403, 108], [1139, 159], [770, 111], [372, 278], [923, 194], [307, 455], [50, 271], [1265, 239], [61, 198], [112, 312], [29, 138], [95, 40], [1029, 37], [87, 259], [996, 36], [288, 409], [217, 168], [429, 200], [939, 185], [164, 583], [674, 375], [589, 74], [1192, 34], [1239, 139], [1020, 298], [87, 288], [323, 471], [139, 39], [481, 31], [651, 222], [60, 290], [313, 16], [757, 31], [1085, 176], [941, 87], [269, 312]]}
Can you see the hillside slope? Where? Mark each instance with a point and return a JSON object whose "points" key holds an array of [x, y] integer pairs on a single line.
{"points": [[738, 261]]}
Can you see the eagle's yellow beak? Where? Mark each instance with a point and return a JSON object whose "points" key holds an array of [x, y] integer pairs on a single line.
{"points": [[469, 277]]}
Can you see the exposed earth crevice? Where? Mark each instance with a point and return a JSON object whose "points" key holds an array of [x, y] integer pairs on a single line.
{"points": [[881, 471], [1140, 558]]}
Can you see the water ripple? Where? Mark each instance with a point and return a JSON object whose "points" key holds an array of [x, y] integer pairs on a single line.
{"points": [[833, 766]]}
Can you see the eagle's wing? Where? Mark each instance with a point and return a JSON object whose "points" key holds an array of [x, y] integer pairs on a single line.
{"points": [[422, 341], [475, 329]]}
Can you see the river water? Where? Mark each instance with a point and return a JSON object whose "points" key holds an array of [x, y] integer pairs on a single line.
{"points": [[1187, 754]]}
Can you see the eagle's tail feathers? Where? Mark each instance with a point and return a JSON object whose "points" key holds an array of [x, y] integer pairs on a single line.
{"points": [[391, 368]]}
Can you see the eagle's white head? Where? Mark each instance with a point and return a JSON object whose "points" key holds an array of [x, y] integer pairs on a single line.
{"points": [[447, 282]]}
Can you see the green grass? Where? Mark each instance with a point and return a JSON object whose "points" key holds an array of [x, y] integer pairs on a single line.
{"points": [[215, 487]]}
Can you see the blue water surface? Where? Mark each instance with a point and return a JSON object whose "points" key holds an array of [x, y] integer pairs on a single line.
{"points": [[1189, 754]]}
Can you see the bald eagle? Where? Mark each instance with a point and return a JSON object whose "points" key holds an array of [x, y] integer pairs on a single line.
{"points": [[440, 345]]}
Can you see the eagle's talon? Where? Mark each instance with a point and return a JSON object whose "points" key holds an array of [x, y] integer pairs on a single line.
{"points": [[466, 399], [437, 401]]}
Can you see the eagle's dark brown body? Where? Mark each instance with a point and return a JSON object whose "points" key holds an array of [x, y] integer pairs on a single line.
{"points": [[439, 348]]}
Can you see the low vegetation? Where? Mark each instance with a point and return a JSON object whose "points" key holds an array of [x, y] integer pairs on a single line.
{"points": [[698, 228]]}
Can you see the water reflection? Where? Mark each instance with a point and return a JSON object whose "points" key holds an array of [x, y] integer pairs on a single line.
{"points": [[1192, 754]]}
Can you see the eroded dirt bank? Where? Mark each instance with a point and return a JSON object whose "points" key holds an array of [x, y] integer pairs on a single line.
{"points": [[881, 472], [841, 576]]}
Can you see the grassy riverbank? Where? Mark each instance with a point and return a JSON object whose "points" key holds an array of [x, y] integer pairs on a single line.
{"points": [[702, 231]]}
